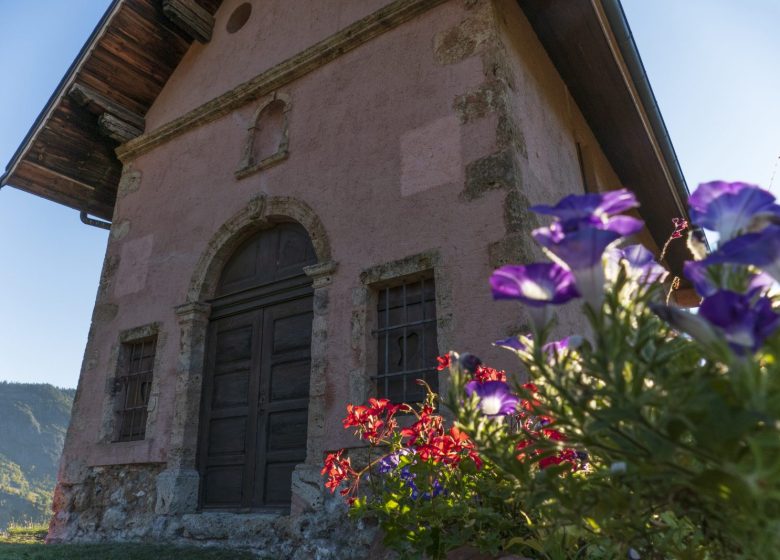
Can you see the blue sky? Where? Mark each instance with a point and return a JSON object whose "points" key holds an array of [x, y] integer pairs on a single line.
{"points": [[712, 63]]}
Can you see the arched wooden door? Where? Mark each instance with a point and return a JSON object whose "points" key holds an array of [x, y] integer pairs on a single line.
{"points": [[256, 384]]}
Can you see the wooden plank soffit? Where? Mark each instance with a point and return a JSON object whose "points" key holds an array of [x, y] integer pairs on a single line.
{"points": [[188, 16], [99, 103], [319, 54]]}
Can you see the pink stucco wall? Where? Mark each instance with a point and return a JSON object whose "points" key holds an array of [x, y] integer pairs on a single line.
{"points": [[376, 150]]}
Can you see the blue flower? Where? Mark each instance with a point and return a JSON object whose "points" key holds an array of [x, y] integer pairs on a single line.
{"points": [[390, 462], [731, 208]]}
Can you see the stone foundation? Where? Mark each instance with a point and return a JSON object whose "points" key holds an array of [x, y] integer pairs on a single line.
{"points": [[120, 503]]}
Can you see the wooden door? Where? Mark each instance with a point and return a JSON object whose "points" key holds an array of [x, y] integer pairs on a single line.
{"points": [[256, 385]]}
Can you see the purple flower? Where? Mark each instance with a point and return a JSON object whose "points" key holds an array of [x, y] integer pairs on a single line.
{"points": [[583, 207], [436, 490], [390, 462], [742, 320], [534, 284], [512, 343], [760, 249], [537, 285], [552, 348], [582, 252], [745, 322], [495, 397], [731, 208], [642, 264], [699, 274]]}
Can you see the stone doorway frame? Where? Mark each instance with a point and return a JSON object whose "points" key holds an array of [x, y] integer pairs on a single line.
{"points": [[178, 484]]}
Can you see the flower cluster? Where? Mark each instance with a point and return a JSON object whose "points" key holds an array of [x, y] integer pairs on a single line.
{"points": [[376, 421], [585, 227], [735, 308], [338, 470]]}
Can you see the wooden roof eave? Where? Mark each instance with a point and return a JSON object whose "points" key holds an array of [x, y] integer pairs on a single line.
{"points": [[12, 177], [608, 82], [68, 156]]}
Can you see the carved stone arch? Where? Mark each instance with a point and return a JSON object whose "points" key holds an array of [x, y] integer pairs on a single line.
{"points": [[261, 212], [267, 141]]}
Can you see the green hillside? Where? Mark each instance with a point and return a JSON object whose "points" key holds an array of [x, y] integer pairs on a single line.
{"points": [[33, 421]]}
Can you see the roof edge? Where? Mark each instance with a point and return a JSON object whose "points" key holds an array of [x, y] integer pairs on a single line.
{"points": [[618, 23], [59, 91]]}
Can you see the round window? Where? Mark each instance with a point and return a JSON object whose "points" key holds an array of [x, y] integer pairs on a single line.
{"points": [[239, 17]]}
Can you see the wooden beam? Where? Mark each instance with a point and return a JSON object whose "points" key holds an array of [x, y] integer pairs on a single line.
{"points": [[188, 16], [99, 104], [117, 129]]}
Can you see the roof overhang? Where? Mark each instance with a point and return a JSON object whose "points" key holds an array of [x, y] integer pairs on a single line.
{"points": [[68, 154], [591, 46]]}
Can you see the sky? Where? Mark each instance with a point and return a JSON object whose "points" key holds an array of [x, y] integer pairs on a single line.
{"points": [[713, 65]]}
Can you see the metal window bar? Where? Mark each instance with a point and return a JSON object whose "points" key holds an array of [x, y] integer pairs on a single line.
{"points": [[135, 384], [397, 301]]}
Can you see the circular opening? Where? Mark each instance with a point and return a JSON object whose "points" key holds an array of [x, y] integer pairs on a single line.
{"points": [[239, 17]]}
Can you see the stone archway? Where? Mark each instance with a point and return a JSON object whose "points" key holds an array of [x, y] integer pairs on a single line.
{"points": [[177, 486]]}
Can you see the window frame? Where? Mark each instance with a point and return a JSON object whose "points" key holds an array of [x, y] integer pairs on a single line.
{"points": [[124, 379], [365, 296], [382, 333]]}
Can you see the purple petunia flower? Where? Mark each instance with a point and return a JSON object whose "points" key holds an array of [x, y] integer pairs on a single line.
{"points": [[495, 397], [760, 249], [583, 207], [534, 284], [731, 208], [537, 285], [642, 264], [742, 320], [705, 280], [698, 273], [745, 322], [582, 252]]}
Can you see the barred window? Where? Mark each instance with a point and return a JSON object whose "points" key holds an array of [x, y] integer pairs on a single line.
{"points": [[407, 345], [132, 387]]}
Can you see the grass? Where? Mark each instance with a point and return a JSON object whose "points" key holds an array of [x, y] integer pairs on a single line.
{"points": [[25, 542]]}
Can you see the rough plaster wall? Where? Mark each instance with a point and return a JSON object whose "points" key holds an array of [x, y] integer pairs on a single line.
{"points": [[276, 30]]}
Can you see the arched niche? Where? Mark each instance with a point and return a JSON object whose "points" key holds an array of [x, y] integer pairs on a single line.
{"points": [[267, 140]]}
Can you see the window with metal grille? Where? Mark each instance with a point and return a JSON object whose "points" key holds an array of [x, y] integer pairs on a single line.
{"points": [[133, 387], [407, 346]]}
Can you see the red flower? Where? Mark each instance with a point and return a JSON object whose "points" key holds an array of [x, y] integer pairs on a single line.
{"points": [[338, 470], [443, 362], [484, 374], [375, 421]]}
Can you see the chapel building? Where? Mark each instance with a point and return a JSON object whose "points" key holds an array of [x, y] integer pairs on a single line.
{"points": [[306, 199]]}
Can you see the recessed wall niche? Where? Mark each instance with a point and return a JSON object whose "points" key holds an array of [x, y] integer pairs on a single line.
{"points": [[267, 139]]}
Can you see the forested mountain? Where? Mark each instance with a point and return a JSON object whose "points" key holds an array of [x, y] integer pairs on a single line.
{"points": [[33, 421]]}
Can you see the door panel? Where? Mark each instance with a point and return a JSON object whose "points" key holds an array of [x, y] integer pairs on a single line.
{"points": [[256, 383]]}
